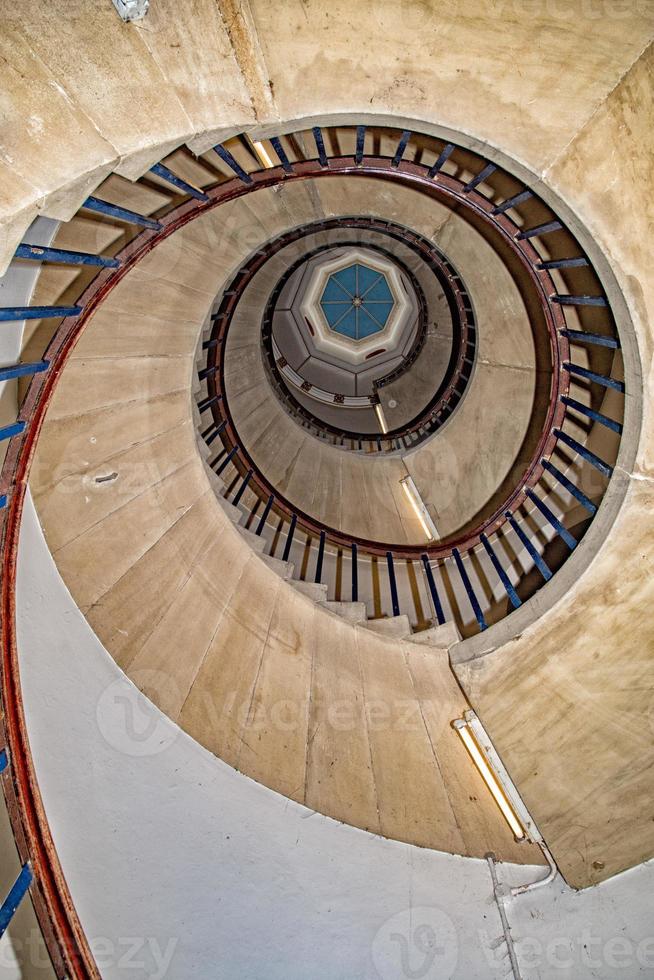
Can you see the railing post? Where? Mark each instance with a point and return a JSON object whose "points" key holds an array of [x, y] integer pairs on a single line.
{"points": [[537, 559], [504, 578], [393, 584], [361, 135], [15, 896], [319, 560], [264, 516], [355, 574], [467, 584], [242, 488], [289, 538], [435, 598], [228, 458]]}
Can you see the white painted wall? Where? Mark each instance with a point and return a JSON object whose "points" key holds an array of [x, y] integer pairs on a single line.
{"points": [[182, 867]]}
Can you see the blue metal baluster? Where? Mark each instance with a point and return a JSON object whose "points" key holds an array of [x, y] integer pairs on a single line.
{"points": [[570, 487], [319, 560], [320, 146], [281, 153], [538, 561], [210, 434], [581, 337], [592, 414], [553, 520], [545, 229], [15, 896], [242, 488], [435, 598], [176, 181], [474, 602], [565, 300], [445, 155], [575, 263], [207, 372], [504, 578], [103, 207], [4, 760], [207, 403], [480, 178], [586, 454], [512, 202], [599, 379], [355, 573], [361, 135], [401, 147], [13, 429], [228, 458], [227, 158], [289, 537], [264, 516], [40, 253], [393, 584], [19, 370], [37, 312]]}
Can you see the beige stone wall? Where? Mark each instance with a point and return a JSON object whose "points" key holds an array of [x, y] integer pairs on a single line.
{"points": [[255, 63], [570, 702]]}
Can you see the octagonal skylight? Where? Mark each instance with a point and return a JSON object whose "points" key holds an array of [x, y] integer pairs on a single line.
{"points": [[357, 301]]}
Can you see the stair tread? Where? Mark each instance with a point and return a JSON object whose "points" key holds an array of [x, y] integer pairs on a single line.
{"points": [[353, 612], [284, 569], [443, 636], [314, 590], [256, 543], [398, 626]]}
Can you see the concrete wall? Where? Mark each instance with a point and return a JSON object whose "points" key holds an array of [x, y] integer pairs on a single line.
{"points": [[581, 675]]}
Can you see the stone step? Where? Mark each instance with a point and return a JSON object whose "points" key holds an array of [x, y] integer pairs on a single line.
{"points": [[204, 450], [284, 569], [313, 590], [235, 514], [217, 484], [256, 543], [398, 626], [443, 636], [353, 612]]}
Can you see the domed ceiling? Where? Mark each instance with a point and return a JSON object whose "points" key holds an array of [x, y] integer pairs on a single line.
{"points": [[357, 301], [345, 318]]}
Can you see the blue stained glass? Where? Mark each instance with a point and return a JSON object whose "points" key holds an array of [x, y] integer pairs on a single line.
{"points": [[366, 278], [378, 293], [367, 307], [347, 278], [334, 293], [348, 323], [379, 312]]}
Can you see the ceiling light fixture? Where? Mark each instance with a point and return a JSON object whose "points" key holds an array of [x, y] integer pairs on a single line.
{"points": [[379, 411], [505, 793], [262, 154], [420, 508], [462, 726]]}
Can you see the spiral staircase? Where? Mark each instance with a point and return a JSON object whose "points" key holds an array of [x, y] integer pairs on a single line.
{"points": [[255, 563]]}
